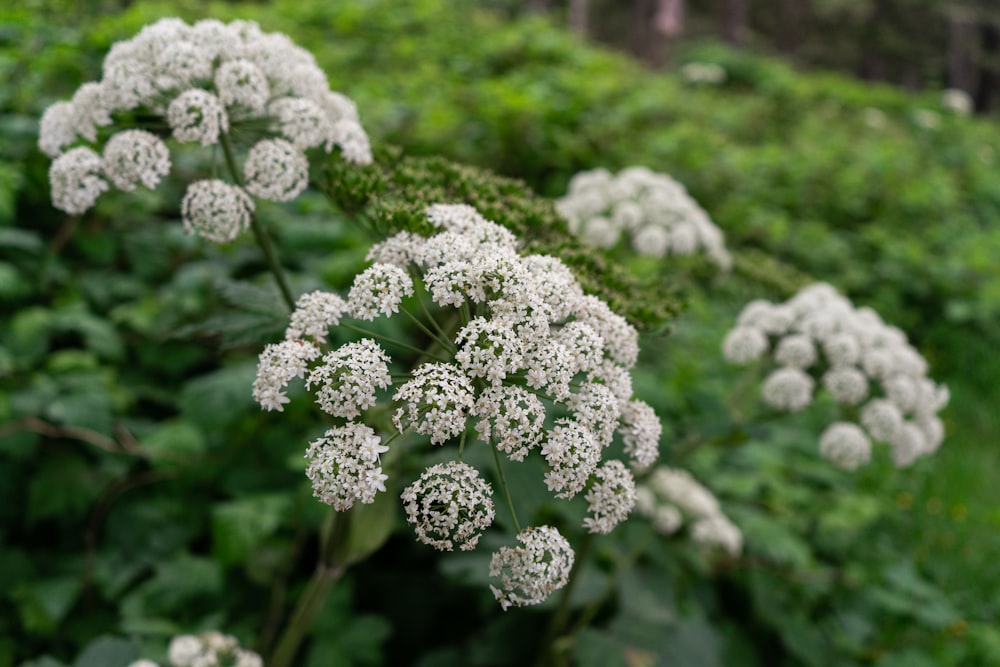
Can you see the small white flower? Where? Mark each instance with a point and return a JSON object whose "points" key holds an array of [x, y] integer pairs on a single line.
{"points": [[572, 453], [846, 384], [436, 401], [744, 344], [908, 444], [276, 170], [640, 430], [347, 378], [621, 340], [451, 504], [136, 156], [795, 350], [596, 407], [489, 349], [216, 210], [882, 419], [845, 445], [241, 84], [718, 531], [76, 179], [788, 389], [513, 417], [58, 128], [353, 142], [679, 488], [197, 115], [314, 314], [379, 289], [610, 499], [184, 650], [278, 364], [301, 121], [529, 573], [344, 466]]}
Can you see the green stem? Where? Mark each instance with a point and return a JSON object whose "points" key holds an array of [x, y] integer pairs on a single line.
{"points": [[259, 232], [558, 622], [503, 485], [309, 606], [388, 339], [441, 341]]}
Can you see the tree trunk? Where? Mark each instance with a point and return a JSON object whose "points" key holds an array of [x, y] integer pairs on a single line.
{"points": [[578, 16], [735, 15], [961, 42]]}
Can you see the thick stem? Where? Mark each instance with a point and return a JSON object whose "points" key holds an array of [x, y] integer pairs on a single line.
{"points": [[309, 606], [549, 656], [259, 232]]}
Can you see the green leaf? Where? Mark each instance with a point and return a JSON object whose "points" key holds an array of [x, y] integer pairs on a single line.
{"points": [[175, 441], [215, 399], [107, 652], [370, 527], [64, 485], [240, 526], [44, 604]]}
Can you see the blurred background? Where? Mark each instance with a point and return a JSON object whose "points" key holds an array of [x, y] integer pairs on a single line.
{"points": [[142, 493]]}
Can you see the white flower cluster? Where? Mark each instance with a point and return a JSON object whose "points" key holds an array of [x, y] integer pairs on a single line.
{"points": [[655, 211], [205, 80], [671, 496], [529, 573], [819, 338], [450, 504], [522, 360], [703, 73], [209, 649]]}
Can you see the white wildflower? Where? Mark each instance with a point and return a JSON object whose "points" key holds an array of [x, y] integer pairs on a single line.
{"points": [[436, 401], [512, 417], [529, 573], [882, 419], [640, 429], [315, 312], [278, 364], [788, 389], [58, 128], [846, 384], [795, 350], [344, 466], [379, 289], [301, 121], [845, 445], [596, 407], [718, 531], [744, 344], [135, 156], [276, 170], [241, 84], [573, 454], [489, 349], [347, 379], [216, 210], [353, 142], [610, 499], [197, 115], [450, 504], [76, 178]]}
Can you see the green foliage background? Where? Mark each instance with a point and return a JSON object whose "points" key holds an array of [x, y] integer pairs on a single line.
{"points": [[143, 494]]}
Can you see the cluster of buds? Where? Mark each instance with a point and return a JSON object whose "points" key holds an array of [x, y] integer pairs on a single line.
{"points": [[519, 359], [201, 84], [209, 649], [654, 210], [866, 366], [671, 499]]}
